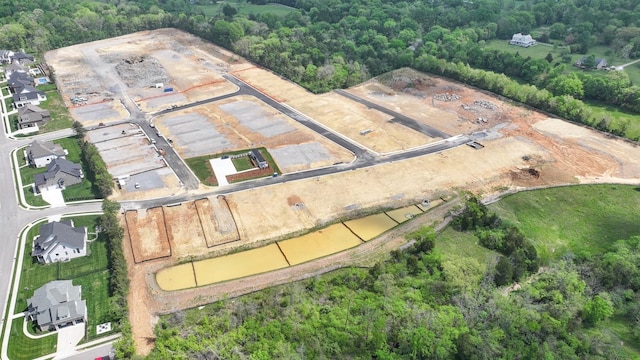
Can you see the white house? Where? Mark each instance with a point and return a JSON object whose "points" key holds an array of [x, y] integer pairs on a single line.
{"points": [[59, 241], [522, 40], [28, 95]]}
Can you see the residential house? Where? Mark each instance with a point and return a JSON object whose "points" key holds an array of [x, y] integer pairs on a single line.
{"points": [[60, 174], [39, 154], [57, 304], [599, 64], [11, 68], [31, 115], [18, 80], [522, 40], [59, 241], [28, 95], [22, 58], [23, 89], [257, 159], [5, 56]]}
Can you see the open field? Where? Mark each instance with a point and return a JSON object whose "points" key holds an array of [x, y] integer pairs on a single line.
{"points": [[540, 52], [580, 219], [246, 9]]}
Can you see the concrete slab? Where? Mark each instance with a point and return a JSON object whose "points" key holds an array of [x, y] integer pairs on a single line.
{"points": [[53, 197], [222, 168], [68, 338]]}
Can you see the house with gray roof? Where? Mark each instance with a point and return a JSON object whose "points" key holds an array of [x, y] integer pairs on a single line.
{"points": [[41, 153], [18, 80], [60, 174], [22, 58], [257, 159], [28, 95], [32, 116], [57, 304], [59, 241]]}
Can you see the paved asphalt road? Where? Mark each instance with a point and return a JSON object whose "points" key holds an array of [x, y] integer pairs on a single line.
{"points": [[13, 218], [397, 117]]}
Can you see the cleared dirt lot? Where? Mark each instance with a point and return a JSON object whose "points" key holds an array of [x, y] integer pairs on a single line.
{"points": [[515, 141], [129, 67], [147, 234], [244, 122], [561, 152]]}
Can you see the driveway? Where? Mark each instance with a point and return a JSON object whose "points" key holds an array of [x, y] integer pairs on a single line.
{"points": [[53, 197], [68, 338]]}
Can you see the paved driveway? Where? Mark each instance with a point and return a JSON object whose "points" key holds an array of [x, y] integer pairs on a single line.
{"points": [[53, 197]]}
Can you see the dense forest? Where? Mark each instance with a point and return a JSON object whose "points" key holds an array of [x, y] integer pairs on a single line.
{"points": [[409, 307], [324, 45]]}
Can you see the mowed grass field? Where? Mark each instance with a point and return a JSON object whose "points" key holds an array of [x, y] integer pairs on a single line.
{"points": [[583, 219], [246, 9]]}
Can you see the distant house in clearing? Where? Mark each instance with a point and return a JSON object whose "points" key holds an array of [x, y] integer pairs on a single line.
{"points": [[59, 241], [522, 40], [599, 64], [257, 159], [57, 304], [31, 115], [60, 174], [39, 154]]}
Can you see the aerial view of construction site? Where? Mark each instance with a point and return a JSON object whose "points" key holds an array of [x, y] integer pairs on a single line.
{"points": [[232, 179]]}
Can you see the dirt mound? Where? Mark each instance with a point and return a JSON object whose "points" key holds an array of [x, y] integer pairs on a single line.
{"points": [[141, 71]]}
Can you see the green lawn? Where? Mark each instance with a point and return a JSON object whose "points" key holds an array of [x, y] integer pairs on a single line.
{"points": [[246, 9], [242, 163], [201, 167], [584, 219], [13, 122], [91, 272], [538, 51], [60, 117], [33, 199], [464, 260], [22, 347]]}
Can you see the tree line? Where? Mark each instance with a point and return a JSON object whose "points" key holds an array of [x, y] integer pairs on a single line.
{"points": [[324, 45]]}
